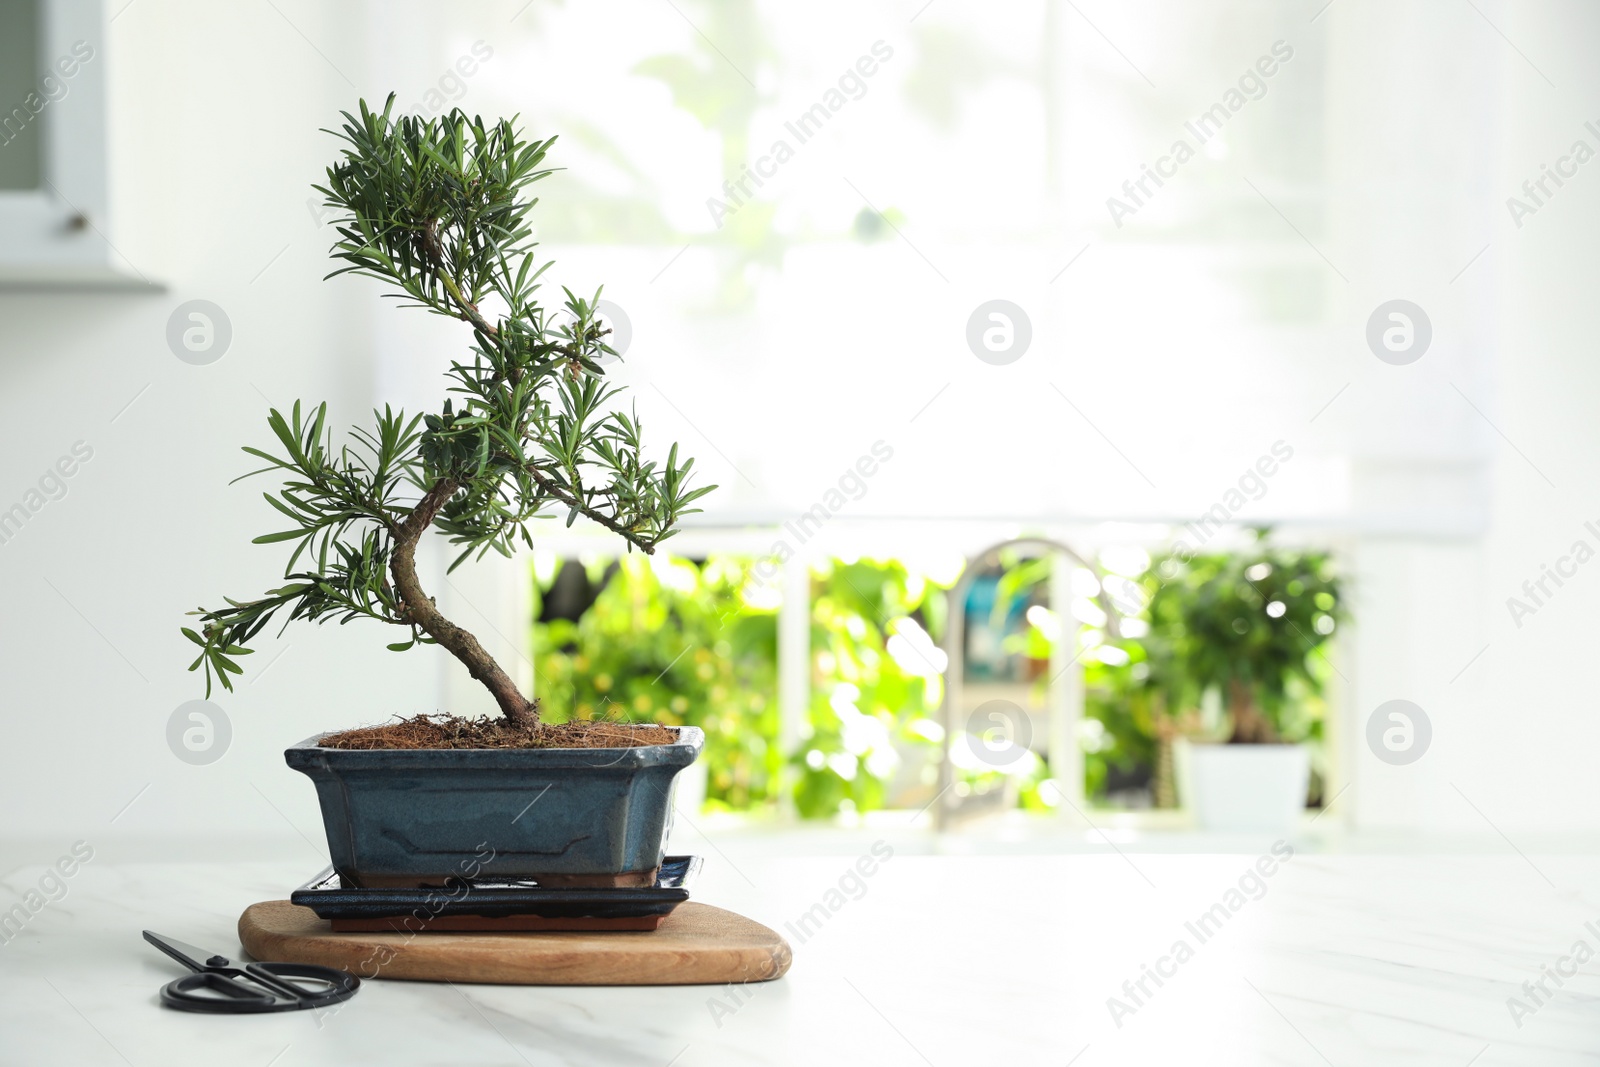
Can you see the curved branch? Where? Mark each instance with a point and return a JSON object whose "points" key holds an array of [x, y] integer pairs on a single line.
{"points": [[418, 608], [469, 310], [554, 489]]}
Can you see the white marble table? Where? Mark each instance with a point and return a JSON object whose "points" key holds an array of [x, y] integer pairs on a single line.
{"points": [[943, 959]]}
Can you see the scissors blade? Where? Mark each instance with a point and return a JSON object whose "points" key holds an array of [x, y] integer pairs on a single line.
{"points": [[196, 959]]}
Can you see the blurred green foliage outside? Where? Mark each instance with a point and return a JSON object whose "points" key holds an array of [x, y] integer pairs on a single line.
{"points": [[1207, 643]]}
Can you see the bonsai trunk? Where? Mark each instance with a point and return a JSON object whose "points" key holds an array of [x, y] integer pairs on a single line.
{"points": [[1250, 726], [418, 607]]}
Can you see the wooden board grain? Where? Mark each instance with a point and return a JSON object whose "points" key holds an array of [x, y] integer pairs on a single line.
{"points": [[695, 945]]}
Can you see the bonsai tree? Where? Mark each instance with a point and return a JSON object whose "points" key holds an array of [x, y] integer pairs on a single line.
{"points": [[1250, 625], [437, 211]]}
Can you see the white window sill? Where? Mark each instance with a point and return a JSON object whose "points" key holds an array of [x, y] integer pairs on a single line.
{"points": [[75, 278]]}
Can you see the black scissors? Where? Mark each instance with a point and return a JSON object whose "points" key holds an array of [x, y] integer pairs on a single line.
{"points": [[220, 987]]}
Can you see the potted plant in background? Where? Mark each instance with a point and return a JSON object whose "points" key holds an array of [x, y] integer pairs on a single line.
{"points": [[1245, 632], [437, 211]]}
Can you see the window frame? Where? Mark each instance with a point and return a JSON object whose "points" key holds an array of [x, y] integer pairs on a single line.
{"points": [[56, 235]]}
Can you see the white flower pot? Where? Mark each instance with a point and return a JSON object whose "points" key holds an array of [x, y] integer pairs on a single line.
{"points": [[1239, 788]]}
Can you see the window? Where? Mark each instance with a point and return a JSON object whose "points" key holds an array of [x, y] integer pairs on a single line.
{"points": [[53, 195]]}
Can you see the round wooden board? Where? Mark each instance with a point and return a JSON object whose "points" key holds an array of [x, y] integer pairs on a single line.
{"points": [[695, 945]]}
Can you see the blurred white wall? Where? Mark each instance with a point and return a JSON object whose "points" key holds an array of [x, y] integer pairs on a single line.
{"points": [[214, 112], [1165, 360], [1515, 732]]}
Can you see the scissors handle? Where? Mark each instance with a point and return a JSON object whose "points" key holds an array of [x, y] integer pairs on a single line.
{"points": [[340, 985], [260, 987]]}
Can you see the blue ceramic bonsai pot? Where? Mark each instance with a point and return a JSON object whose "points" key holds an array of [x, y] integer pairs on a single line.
{"points": [[565, 816]]}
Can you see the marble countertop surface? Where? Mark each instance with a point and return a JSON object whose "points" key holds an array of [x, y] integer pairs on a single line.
{"points": [[1119, 957]]}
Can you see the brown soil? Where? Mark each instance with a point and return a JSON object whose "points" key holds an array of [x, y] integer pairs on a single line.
{"points": [[425, 732]]}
